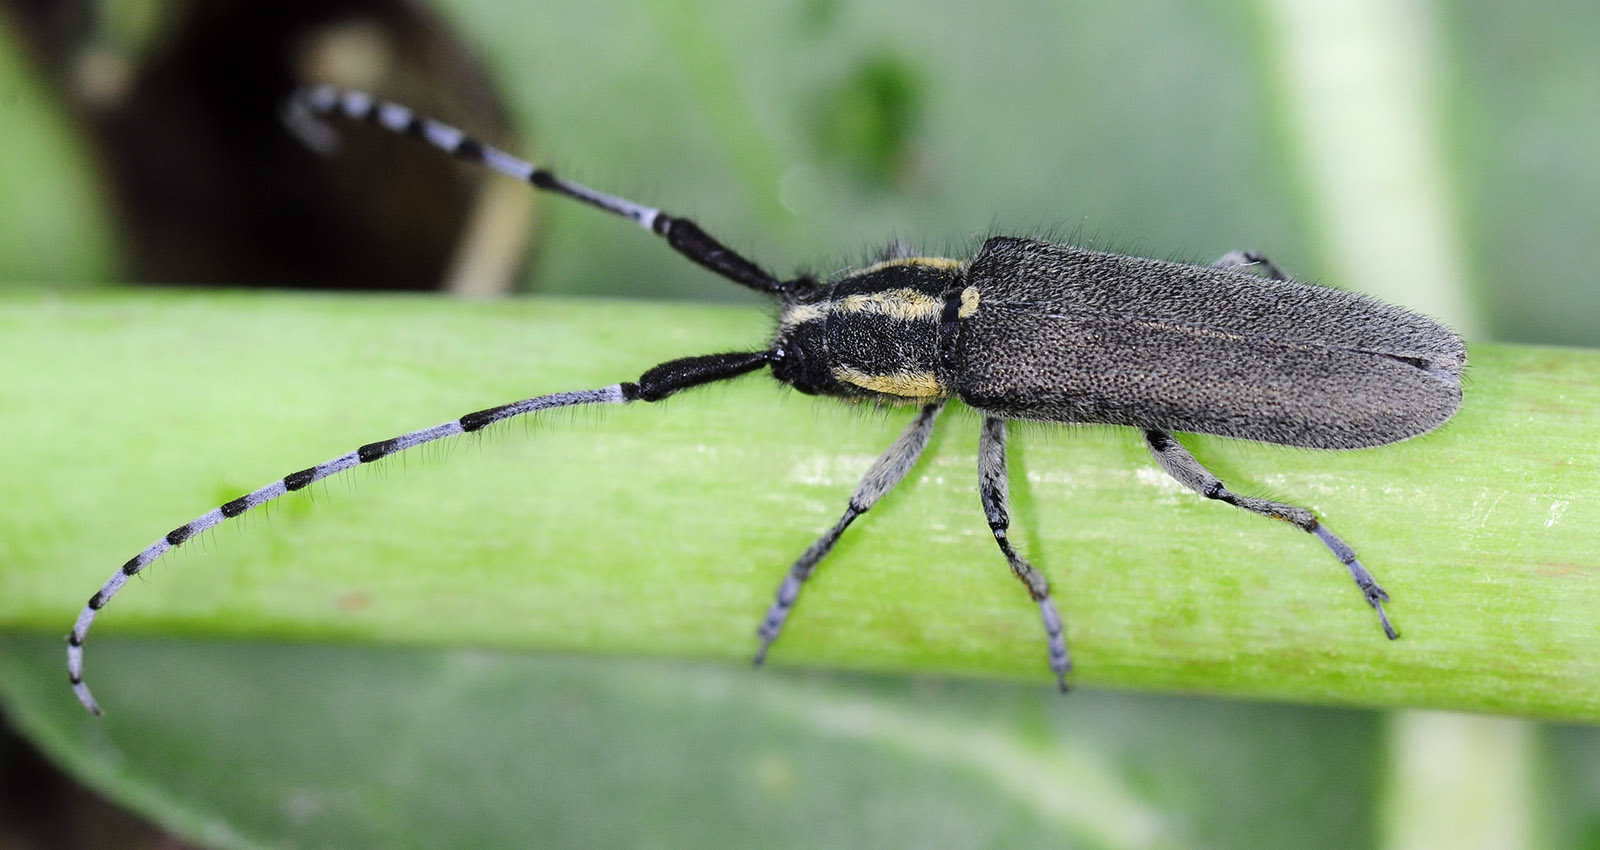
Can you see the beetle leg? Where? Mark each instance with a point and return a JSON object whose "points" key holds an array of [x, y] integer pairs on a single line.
{"points": [[1181, 465], [1242, 260], [889, 469], [994, 489]]}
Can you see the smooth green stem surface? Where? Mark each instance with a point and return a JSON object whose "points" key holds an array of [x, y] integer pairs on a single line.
{"points": [[664, 529]]}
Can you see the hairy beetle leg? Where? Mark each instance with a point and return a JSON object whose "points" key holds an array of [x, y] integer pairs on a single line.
{"points": [[994, 489], [1182, 466], [889, 469], [1370, 588]]}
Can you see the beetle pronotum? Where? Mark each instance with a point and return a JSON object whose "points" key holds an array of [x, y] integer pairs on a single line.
{"points": [[1022, 330]]}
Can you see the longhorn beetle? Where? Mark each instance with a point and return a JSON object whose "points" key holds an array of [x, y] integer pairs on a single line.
{"points": [[1022, 330]]}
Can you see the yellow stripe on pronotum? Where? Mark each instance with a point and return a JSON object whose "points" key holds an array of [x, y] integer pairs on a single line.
{"points": [[912, 386]]}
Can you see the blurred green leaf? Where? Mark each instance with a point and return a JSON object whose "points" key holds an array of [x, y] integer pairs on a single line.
{"points": [[54, 224], [1522, 125], [1142, 125], [255, 745]]}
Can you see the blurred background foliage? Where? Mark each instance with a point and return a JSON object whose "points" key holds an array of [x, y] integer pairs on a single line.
{"points": [[142, 147]]}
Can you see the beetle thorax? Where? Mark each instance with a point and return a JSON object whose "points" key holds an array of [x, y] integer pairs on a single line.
{"points": [[872, 334]]}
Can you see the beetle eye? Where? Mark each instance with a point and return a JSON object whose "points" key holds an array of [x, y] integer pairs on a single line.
{"points": [[791, 356]]}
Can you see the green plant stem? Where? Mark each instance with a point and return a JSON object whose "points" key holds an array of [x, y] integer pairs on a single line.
{"points": [[664, 529]]}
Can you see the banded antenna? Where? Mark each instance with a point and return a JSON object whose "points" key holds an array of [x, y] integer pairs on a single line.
{"points": [[306, 113]]}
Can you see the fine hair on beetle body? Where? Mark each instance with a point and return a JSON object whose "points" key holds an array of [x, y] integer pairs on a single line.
{"points": [[1018, 330]]}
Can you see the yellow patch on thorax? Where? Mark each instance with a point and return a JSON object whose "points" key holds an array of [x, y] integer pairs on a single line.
{"points": [[904, 304], [930, 262], [799, 314], [912, 386], [969, 302]]}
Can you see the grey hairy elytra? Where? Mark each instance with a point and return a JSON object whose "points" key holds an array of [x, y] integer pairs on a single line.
{"points": [[1024, 329]]}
